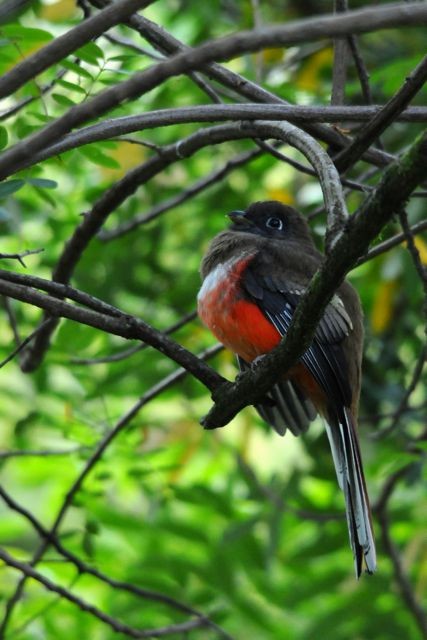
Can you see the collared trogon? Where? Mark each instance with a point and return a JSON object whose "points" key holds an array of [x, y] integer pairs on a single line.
{"points": [[253, 276]]}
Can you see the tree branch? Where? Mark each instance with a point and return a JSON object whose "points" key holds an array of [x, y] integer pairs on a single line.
{"points": [[301, 115], [380, 509], [116, 322]]}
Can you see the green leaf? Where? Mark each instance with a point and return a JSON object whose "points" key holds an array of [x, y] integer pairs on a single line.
{"points": [[77, 69], [26, 34], [43, 183], [90, 53], [11, 186], [3, 137], [72, 86], [64, 100], [96, 156]]}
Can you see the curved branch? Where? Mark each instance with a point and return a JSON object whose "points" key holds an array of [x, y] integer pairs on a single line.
{"points": [[214, 113], [321, 162]]}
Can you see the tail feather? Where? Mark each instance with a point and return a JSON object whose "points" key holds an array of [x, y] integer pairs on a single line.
{"points": [[348, 465], [285, 406]]}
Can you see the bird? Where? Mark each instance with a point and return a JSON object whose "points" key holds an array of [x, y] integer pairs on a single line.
{"points": [[253, 275]]}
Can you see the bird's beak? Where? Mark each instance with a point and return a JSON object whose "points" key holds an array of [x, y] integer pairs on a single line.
{"points": [[240, 220]]}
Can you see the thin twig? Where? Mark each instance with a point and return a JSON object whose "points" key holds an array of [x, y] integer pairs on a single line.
{"points": [[380, 509], [404, 401], [20, 256], [23, 344], [394, 241], [185, 194], [42, 453], [120, 627]]}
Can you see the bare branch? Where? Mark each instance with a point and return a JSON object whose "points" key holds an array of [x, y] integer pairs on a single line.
{"points": [[403, 404], [20, 256], [117, 357], [339, 70], [386, 245], [116, 127], [42, 453], [408, 593], [23, 344], [166, 205], [328, 177]]}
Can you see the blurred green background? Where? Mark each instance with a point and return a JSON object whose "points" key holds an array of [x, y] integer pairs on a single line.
{"points": [[242, 525]]}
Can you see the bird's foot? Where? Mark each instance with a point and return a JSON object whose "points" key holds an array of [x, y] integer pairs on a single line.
{"points": [[257, 361]]}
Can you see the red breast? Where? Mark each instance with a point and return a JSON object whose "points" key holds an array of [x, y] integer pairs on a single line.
{"points": [[240, 325]]}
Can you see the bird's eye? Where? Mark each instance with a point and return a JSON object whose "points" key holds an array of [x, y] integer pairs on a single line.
{"points": [[274, 223]]}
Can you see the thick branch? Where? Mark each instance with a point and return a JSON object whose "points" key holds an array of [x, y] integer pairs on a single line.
{"points": [[394, 189], [119, 324], [365, 20], [215, 113], [167, 44]]}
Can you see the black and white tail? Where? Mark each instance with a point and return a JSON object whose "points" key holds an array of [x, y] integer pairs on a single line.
{"points": [[348, 465]]}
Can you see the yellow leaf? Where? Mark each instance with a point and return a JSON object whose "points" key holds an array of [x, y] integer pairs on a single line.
{"points": [[282, 195], [382, 312], [58, 11], [128, 155], [308, 78], [272, 56], [422, 249]]}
